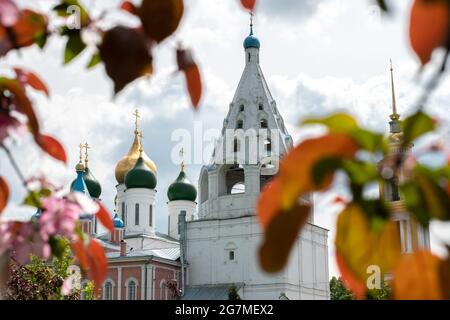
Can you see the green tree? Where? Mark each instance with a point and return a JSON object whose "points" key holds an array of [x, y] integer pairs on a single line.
{"points": [[338, 291], [233, 294]]}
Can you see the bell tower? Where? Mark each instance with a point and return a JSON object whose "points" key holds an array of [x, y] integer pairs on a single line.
{"points": [[252, 141], [413, 235]]}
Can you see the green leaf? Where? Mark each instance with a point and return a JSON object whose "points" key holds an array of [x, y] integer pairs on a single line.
{"points": [[376, 210], [370, 141], [324, 167], [40, 38], [95, 59], [360, 172], [33, 199], [62, 10], [74, 47], [58, 246], [336, 123], [416, 125]]}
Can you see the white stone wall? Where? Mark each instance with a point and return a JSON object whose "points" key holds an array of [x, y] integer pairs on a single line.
{"points": [[144, 197], [175, 208], [209, 243]]}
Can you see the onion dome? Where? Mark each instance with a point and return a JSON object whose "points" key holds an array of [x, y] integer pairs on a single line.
{"points": [[251, 42], [78, 184], [118, 223], [140, 176], [129, 160], [182, 189], [94, 187]]}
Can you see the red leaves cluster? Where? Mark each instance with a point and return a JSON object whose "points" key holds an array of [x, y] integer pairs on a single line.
{"points": [[429, 27], [92, 259], [4, 194]]}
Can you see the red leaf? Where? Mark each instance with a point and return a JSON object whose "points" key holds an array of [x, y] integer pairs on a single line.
{"points": [[191, 72], [4, 194], [128, 6], [30, 78], [22, 102], [98, 263], [80, 252], [29, 25], [52, 147], [248, 4], [428, 27], [105, 218], [350, 280]]}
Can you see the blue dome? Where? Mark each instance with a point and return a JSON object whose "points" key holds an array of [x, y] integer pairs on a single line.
{"points": [[251, 42], [118, 223]]}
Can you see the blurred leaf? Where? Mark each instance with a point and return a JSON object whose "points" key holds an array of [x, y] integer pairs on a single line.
{"points": [[22, 102], [34, 197], [369, 140], [80, 252], [4, 194], [428, 27], [296, 169], [128, 6], [74, 46], [382, 5], [105, 218], [192, 74], [269, 202], [336, 123], [425, 198], [52, 147], [95, 59], [415, 126], [280, 235], [58, 246], [160, 18], [98, 263], [418, 277], [31, 79], [28, 28], [248, 4], [126, 56], [360, 243], [64, 10], [360, 172]]}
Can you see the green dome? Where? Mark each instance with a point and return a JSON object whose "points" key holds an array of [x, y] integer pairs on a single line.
{"points": [[182, 189], [140, 176], [94, 187]]}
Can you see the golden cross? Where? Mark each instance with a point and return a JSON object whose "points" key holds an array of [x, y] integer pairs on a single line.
{"points": [[86, 148], [182, 159], [251, 22], [136, 122]]}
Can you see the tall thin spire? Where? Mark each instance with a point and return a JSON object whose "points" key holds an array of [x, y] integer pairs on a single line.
{"points": [[394, 116], [80, 166], [251, 22], [140, 144]]}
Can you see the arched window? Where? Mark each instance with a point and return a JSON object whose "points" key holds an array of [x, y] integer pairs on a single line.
{"points": [[136, 214], [240, 124], [263, 124], [108, 291], [150, 216], [131, 290], [123, 211], [260, 107], [241, 108], [249, 57], [268, 145], [238, 188], [236, 145]]}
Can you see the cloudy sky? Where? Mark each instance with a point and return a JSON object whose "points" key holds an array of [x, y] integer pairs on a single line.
{"points": [[317, 56]]}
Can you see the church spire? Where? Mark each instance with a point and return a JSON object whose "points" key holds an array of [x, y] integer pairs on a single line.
{"points": [[394, 115], [251, 22]]}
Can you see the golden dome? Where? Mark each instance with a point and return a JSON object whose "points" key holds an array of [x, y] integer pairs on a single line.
{"points": [[129, 160]]}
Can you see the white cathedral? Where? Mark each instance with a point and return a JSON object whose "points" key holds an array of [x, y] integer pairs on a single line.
{"points": [[211, 245]]}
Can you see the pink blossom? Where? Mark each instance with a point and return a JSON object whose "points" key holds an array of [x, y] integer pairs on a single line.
{"points": [[59, 217]]}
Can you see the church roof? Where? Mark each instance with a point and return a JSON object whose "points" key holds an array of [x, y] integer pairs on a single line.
{"points": [[140, 176], [182, 189], [166, 253], [213, 292]]}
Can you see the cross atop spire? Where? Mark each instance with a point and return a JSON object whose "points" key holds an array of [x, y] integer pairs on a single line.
{"points": [[86, 154], [182, 158], [140, 143], [80, 146], [394, 116], [251, 22], [136, 122]]}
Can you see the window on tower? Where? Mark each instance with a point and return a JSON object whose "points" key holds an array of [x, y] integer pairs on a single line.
{"points": [[231, 255], [263, 124], [123, 211], [260, 107], [136, 214], [249, 57], [241, 108], [131, 294], [236, 145], [268, 145], [240, 124], [150, 216]]}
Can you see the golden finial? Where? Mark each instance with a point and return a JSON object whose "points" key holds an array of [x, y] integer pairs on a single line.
{"points": [[182, 159], [140, 144], [86, 154], [80, 166], [136, 122], [394, 116]]}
